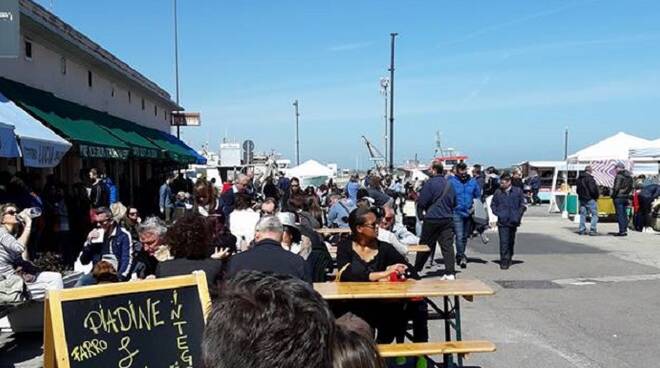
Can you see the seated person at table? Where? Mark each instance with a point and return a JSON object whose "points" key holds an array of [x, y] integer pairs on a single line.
{"points": [[269, 206], [189, 239], [389, 222], [14, 259], [108, 238], [267, 255], [339, 210], [266, 320], [150, 248], [365, 258]]}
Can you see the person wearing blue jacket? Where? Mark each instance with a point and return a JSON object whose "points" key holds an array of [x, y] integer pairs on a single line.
{"points": [[108, 241], [509, 206], [466, 190], [435, 205]]}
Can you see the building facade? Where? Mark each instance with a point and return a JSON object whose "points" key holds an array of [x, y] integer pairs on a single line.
{"points": [[117, 119]]}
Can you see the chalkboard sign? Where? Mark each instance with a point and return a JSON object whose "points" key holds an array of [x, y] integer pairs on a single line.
{"points": [[150, 323]]}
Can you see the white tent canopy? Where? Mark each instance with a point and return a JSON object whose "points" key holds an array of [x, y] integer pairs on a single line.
{"points": [[652, 150], [40, 146], [616, 147], [309, 169]]}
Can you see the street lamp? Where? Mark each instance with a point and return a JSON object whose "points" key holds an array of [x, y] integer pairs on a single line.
{"points": [[176, 66], [393, 35], [295, 104], [384, 85]]}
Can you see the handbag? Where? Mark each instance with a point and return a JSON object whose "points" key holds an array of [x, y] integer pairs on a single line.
{"points": [[480, 214], [13, 289]]}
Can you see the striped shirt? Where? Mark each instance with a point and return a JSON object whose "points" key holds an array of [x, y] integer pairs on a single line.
{"points": [[10, 251]]}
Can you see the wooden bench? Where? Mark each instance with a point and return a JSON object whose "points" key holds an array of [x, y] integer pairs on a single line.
{"points": [[435, 348], [450, 290]]}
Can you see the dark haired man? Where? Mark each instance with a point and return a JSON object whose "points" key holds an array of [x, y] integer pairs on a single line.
{"points": [[165, 198], [435, 205], [587, 192], [107, 241], [466, 190], [98, 195], [623, 188], [265, 320], [509, 207]]}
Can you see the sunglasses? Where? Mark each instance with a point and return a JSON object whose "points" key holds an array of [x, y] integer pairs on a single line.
{"points": [[10, 212], [132, 213], [372, 226], [104, 222]]}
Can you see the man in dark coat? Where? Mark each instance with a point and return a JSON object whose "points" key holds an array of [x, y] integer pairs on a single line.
{"points": [[267, 255], [509, 206], [623, 188], [587, 192], [435, 205]]}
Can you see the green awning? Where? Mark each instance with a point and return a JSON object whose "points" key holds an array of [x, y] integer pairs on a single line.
{"points": [[96, 133], [175, 149]]}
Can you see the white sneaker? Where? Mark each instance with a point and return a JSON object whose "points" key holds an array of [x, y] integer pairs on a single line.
{"points": [[448, 277]]}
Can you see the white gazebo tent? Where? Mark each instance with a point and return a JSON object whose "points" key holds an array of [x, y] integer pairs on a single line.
{"points": [[310, 172], [616, 147], [647, 158]]}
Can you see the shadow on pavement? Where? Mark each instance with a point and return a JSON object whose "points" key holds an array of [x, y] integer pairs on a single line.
{"points": [[538, 244], [19, 348]]}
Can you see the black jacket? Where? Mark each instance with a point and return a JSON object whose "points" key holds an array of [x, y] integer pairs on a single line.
{"points": [[623, 185], [509, 207], [587, 189], [269, 256]]}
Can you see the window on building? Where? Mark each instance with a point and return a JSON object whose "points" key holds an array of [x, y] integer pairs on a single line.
{"points": [[63, 65], [129, 96], [143, 104], [164, 114], [112, 91], [89, 78], [28, 49], [155, 110]]}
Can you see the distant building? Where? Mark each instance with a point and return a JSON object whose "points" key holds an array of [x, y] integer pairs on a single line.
{"points": [[117, 119]]}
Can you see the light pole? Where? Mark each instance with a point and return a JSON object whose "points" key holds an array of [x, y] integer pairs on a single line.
{"points": [[393, 35], [384, 85], [295, 104], [176, 66]]}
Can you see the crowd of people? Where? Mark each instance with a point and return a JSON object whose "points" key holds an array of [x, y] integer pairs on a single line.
{"points": [[268, 224]]}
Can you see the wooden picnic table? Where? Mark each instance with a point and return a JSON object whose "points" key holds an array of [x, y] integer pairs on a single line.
{"points": [[450, 290], [417, 248], [404, 289], [333, 230]]}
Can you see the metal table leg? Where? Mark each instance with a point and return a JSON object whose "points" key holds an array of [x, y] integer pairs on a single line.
{"points": [[459, 334]]}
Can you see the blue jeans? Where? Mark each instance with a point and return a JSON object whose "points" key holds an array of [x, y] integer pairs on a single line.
{"points": [[86, 280], [507, 241], [620, 206], [591, 208], [461, 229]]}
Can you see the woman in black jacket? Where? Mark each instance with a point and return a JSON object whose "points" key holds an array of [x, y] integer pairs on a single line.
{"points": [[364, 258]]}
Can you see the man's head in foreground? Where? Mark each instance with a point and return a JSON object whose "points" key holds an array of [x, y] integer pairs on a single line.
{"points": [[265, 320]]}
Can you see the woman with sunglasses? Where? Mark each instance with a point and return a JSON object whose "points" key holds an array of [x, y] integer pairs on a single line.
{"points": [[365, 258], [14, 257]]}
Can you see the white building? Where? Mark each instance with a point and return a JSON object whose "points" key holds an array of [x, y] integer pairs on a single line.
{"points": [[116, 119]]}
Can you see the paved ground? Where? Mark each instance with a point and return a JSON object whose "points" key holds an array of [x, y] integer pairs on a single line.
{"points": [[594, 302], [598, 306]]}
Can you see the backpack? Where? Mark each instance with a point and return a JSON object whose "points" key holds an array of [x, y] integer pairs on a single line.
{"points": [[13, 289]]}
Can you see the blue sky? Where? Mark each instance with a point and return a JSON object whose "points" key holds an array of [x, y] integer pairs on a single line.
{"points": [[500, 79]]}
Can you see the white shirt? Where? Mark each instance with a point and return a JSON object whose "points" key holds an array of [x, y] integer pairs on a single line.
{"points": [[389, 237], [405, 236]]}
